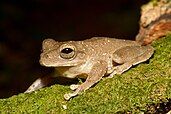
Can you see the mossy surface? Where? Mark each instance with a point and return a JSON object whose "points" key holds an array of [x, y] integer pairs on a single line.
{"points": [[142, 85]]}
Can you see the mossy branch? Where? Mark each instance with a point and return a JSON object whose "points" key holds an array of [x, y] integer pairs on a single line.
{"points": [[145, 84]]}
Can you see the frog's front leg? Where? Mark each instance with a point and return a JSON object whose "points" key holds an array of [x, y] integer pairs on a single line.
{"points": [[95, 75], [39, 83], [129, 56]]}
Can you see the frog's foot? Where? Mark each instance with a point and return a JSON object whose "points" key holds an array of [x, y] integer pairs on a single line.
{"points": [[75, 93], [36, 85], [74, 86], [39, 83], [69, 95]]}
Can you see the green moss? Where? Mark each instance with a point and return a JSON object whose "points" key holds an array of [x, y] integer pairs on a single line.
{"points": [[144, 84]]}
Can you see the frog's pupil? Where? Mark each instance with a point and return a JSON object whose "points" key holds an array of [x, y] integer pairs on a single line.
{"points": [[67, 50]]}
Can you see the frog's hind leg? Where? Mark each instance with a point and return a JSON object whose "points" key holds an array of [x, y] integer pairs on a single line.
{"points": [[132, 56], [39, 83]]}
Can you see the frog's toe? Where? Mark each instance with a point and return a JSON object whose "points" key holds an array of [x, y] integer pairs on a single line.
{"points": [[74, 86], [28, 90], [67, 96], [70, 95]]}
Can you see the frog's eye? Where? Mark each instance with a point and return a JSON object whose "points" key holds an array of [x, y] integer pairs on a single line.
{"points": [[67, 52]]}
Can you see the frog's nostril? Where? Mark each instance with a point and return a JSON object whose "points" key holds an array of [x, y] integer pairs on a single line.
{"points": [[46, 56]]}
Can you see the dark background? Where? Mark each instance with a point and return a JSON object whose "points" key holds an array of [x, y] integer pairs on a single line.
{"points": [[24, 24]]}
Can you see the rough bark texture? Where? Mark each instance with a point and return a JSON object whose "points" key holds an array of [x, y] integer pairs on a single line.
{"points": [[155, 21]]}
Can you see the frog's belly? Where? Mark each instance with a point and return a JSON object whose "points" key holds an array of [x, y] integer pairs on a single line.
{"points": [[77, 71], [70, 73], [74, 75]]}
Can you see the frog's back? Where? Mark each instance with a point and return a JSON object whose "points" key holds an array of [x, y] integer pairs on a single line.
{"points": [[109, 43]]}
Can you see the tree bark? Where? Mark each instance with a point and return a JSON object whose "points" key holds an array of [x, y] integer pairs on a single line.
{"points": [[155, 21]]}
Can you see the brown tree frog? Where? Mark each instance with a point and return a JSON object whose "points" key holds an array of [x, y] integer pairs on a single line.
{"points": [[90, 59]]}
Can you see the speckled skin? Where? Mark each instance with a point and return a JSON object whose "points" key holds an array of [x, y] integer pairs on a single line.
{"points": [[91, 59]]}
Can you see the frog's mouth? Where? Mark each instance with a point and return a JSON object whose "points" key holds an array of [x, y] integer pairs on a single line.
{"points": [[53, 63]]}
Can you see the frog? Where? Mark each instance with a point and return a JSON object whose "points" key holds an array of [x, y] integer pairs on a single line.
{"points": [[91, 59]]}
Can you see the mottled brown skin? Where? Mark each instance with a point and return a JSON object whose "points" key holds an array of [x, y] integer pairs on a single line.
{"points": [[90, 59]]}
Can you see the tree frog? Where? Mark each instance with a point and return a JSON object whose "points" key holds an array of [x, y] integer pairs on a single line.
{"points": [[90, 59]]}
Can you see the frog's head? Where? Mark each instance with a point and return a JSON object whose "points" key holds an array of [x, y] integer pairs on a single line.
{"points": [[57, 54]]}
